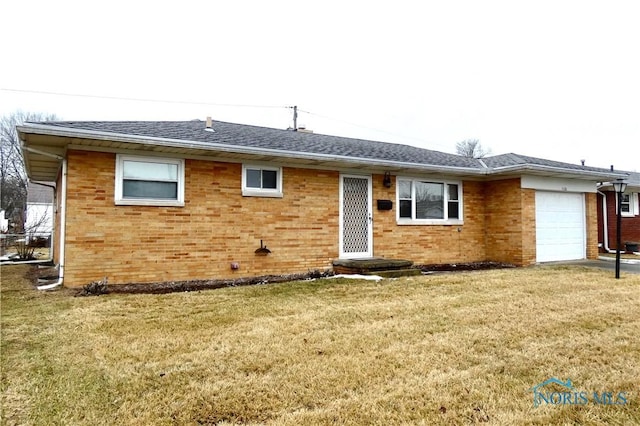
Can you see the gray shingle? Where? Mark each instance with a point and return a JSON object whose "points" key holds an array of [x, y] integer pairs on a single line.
{"points": [[511, 159], [275, 139], [279, 140]]}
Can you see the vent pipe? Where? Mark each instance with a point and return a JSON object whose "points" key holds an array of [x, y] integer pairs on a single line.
{"points": [[209, 125]]}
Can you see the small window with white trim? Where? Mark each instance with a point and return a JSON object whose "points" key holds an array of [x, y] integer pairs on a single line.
{"points": [[149, 181], [428, 202], [261, 181], [629, 204]]}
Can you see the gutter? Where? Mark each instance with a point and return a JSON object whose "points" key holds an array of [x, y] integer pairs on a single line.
{"points": [[62, 213], [63, 224], [235, 149], [539, 167], [483, 170]]}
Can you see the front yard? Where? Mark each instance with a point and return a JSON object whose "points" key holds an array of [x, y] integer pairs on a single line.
{"points": [[455, 348]]}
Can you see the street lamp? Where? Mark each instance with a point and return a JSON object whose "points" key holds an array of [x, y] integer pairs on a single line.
{"points": [[619, 187]]}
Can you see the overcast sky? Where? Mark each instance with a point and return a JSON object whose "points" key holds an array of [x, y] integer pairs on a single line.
{"points": [[551, 79]]}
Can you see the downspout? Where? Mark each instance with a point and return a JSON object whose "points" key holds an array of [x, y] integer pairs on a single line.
{"points": [[605, 223], [63, 205], [63, 226]]}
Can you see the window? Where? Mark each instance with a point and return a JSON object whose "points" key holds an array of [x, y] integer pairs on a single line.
{"points": [[150, 181], [629, 204], [425, 202], [259, 181]]}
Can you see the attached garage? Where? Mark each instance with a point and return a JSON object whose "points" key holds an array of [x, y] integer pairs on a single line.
{"points": [[560, 226]]}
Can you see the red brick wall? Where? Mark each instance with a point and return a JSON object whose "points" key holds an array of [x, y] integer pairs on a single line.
{"points": [[630, 229]]}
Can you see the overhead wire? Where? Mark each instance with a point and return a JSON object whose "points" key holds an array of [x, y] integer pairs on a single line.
{"points": [[183, 102], [123, 98]]}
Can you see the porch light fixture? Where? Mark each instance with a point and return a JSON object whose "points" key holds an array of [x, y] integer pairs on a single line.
{"points": [[387, 180], [619, 186]]}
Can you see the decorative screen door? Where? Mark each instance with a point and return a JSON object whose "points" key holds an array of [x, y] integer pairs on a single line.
{"points": [[356, 233]]}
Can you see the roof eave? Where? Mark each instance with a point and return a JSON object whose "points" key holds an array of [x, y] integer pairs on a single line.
{"points": [[552, 170], [40, 129], [43, 129]]}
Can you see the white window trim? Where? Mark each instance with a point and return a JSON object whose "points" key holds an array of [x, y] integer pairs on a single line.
{"points": [[257, 192], [120, 201], [407, 221], [634, 209]]}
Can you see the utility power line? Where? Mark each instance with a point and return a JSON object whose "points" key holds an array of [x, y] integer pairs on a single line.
{"points": [[296, 110], [122, 98]]}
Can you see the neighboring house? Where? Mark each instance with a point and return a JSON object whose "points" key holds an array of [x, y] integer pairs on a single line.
{"points": [[163, 201], [630, 219], [39, 213], [4, 222]]}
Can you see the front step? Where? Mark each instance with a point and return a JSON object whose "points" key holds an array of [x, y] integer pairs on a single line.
{"points": [[375, 266]]}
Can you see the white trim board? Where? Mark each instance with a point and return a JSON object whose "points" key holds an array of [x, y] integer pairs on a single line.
{"points": [[557, 184]]}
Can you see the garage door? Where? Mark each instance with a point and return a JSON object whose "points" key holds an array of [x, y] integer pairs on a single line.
{"points": [[560, 226]]}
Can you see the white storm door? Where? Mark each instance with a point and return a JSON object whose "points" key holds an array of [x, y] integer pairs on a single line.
{"points": [[356, 220]]}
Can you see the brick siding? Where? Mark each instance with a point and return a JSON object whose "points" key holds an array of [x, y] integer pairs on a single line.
{"points": [[218, 226], [430, 244], [630, 226], [510, 222]]}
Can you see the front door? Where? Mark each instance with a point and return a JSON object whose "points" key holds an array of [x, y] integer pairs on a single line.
{"points": [[356, 233]]}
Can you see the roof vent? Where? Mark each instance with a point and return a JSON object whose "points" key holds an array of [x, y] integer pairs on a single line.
{"points": [[209, 125], [303, 129]]}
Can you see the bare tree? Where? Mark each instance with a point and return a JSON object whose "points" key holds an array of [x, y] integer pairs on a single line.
{"points": [[471, 148], [36, 234], [13, 179]]}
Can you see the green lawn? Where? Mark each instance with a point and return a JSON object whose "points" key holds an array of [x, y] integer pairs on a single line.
{"points": [[459, 348]]}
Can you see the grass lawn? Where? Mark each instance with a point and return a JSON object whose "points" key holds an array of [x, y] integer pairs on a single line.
{"points": [[459, 348]]}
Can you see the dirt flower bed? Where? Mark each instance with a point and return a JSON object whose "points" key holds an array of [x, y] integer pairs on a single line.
{"points": [[469, 266], [101, 287]]}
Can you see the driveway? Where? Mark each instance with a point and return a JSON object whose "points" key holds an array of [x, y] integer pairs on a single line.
{"points": [[630, 268]]}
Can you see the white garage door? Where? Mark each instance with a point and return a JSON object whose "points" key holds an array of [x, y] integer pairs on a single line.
{"points": [[560, 226]]}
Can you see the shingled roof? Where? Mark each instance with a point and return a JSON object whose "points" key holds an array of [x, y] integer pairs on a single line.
{"points": [[510, 160], [240, 142], [273, 139]]}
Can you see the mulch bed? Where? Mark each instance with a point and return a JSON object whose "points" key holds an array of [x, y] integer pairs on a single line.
{"points": [[470, 266], [97, 288], [101, 287]]}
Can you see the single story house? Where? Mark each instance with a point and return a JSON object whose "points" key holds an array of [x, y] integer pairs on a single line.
{"points": [[630, 217], [142, 202]]}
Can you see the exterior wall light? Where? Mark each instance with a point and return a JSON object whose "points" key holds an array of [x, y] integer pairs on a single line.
{"points": [[387, 180]]}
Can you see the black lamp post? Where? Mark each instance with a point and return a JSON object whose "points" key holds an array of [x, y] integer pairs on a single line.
{"points": [[619, 187]]}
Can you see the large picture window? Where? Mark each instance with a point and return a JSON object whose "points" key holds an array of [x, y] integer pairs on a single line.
{"points": [[260, 181], [149, 181], [429, 202]]}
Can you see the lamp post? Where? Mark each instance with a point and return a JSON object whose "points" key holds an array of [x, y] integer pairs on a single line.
{"points": [[619, 187]]}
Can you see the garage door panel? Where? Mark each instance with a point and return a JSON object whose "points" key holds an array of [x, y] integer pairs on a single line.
{"points": [[560, 226]]}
